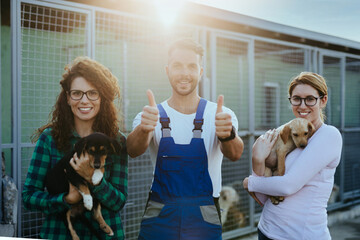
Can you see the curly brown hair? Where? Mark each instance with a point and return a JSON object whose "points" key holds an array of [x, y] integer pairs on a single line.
{"points": [[106, 121]]}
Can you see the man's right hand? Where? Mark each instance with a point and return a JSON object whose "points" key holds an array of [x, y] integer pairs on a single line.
{"points": [[150, 114], [139, 139]]}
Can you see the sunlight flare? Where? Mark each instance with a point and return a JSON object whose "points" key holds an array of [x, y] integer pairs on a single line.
{"points": [[168, 10]]}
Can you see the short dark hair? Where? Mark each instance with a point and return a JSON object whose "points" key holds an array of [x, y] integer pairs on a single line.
{"points": [[189, 44]]}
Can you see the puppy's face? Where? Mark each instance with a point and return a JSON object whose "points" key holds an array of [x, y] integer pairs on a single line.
{"points": [[97, 155], [228, 196], [98, 146], [301, 131]]}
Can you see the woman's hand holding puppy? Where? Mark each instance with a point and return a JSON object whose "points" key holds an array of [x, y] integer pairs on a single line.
{"points": [[261, 150], [82, 166]]}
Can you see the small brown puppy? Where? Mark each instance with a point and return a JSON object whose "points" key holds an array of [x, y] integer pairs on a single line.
{"points": [[294, 134]]}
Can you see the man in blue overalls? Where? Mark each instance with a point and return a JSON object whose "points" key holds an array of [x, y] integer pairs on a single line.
{"points": [[187, 143]]}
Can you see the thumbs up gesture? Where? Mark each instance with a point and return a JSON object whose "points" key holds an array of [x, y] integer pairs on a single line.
{"points": [[223, 121], [150, 114]]}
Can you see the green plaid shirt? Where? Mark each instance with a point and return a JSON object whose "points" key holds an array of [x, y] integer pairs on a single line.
{"points": [[111, 192]]}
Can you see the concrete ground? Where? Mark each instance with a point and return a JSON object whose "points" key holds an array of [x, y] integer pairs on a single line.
{"points": [[347, 230], [343, 225]]}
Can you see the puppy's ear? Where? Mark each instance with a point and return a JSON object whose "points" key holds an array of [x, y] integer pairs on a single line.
{"points": [[285, 133], [311, 129], [80, 146]]}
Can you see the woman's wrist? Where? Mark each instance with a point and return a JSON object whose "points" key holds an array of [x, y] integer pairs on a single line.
{"points": [[257, 160]]}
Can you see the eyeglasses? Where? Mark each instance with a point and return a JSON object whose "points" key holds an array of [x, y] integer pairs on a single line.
{"points": [[77, 95], [309, 100]]}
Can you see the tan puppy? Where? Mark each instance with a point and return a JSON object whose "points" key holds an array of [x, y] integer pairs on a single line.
{"points": [[294, 134]]}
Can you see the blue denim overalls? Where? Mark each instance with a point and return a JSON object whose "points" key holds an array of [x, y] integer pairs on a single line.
{"points": [[181, 205]]}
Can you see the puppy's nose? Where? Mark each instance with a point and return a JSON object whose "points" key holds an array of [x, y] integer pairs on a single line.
{"points": [[303, 146], [97, 164]]}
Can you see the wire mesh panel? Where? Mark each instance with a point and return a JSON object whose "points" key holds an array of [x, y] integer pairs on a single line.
{"points": [[332, 74], [50, 38], [232, 77], [275, 65], [352, 123], [5, 86], [238, 210], [31, 220], [352, 164], [232, 80], [140, 176], [135, 50], [352, 93]]}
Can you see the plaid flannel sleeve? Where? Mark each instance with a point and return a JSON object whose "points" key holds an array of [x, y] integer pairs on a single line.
{"points": [[33, 194], [112, 190]]}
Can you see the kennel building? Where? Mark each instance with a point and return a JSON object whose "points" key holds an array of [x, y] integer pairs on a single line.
{"points": [[248, 60]]}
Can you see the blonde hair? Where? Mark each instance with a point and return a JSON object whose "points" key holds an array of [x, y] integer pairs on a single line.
{"points": [[313, 79]]}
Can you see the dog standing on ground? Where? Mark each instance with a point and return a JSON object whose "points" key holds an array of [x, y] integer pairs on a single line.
{"points": [[229, 201], [294, 134], [334, 194], [98, 146]]}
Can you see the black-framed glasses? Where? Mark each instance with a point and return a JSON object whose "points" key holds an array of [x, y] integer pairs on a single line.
{"points": [[309, 100], [77, 95]]}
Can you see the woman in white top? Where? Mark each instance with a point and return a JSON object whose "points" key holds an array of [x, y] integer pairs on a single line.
{"points": [[309, 174]]}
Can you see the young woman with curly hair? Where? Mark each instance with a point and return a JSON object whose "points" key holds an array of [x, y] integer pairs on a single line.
{"points": [[84, 105]]}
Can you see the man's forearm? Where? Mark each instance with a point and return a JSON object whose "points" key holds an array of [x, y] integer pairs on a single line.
{"points": [[137, 142], [232, 149]]}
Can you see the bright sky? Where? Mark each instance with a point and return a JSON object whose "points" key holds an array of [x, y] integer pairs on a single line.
{"points": [[339, 18]]}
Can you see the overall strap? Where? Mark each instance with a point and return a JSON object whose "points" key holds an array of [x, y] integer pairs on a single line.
{"points": [[164, 121], [199, 120]]}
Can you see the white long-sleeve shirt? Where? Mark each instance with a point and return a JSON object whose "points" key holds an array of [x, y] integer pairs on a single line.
{"points": [[306, 185]]}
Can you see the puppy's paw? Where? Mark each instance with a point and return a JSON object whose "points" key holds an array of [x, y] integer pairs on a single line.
{"points": [[97, 176], [75, 237], [88, 201], [274, 200], [107, 229]]}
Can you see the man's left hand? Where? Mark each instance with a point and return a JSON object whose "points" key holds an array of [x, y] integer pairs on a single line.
{"points": [[223, 121]]}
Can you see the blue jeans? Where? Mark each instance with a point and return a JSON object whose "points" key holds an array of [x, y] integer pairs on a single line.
{"points": [[261, 236]]}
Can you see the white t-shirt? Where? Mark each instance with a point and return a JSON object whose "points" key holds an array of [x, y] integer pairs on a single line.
{"points": [[306, 185], [181, 130]]}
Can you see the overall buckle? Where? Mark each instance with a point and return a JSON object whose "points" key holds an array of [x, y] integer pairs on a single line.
{"points": [[165, 121], [198, 124]]}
